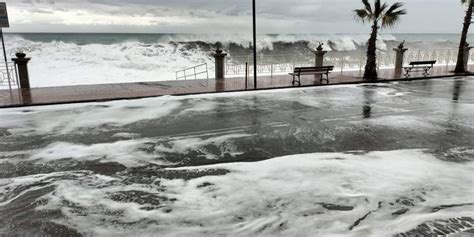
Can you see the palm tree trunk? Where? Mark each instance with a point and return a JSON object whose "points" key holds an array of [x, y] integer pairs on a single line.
{"points": [[371, 65], [462, 45]]}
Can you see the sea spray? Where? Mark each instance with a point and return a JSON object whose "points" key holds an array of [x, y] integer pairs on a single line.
{"points": [[78, 59]]}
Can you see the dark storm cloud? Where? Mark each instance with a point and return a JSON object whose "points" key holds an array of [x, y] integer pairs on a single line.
{"points": [[298, 16]]}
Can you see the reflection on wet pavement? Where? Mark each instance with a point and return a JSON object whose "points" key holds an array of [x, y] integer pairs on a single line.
{"points": [[359, 160]]}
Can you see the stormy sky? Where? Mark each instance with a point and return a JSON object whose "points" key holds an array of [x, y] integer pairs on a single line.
{"points": [[217, 16]]}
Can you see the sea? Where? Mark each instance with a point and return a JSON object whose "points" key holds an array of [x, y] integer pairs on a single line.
{"points": [[65, 59]]}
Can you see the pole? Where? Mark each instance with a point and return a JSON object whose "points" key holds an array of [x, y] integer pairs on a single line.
{"points": [[6, 61], [246, 74], [254, 45]]}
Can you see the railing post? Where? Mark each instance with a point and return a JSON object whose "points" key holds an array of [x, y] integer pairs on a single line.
{"points": [[342, 64], [448, 58], [220, 64], [271, 68], [21, 63], [246, 75], [400, 55]]}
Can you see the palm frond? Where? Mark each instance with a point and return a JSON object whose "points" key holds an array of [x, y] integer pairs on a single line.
{"points": [[387, 15], [392, 18], [394, 7], [362, 15], [383, 7], [377, 7], [388, 21], [368, 7]]}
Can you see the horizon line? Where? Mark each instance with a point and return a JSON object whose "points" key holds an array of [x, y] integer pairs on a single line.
{"points": [[191, 33]]}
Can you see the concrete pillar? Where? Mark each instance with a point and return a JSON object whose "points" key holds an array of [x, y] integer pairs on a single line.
{"points": [[400, 54], [319, 56], [220, 64], [21, 63], [467, 51]]}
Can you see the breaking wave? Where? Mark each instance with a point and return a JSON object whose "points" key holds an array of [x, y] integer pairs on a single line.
{"points": [[76, 59]]}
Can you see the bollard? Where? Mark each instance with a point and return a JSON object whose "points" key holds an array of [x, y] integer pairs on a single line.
{"points": [[21, 63], [220, 64], [400, 54], [467, 52], [319, 56]]}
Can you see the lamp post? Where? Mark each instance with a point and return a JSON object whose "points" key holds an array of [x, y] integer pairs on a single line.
{"points": [[254, 45]]}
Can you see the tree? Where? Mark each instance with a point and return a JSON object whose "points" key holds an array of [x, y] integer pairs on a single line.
{"points": [[380, 15], [462, 45]]}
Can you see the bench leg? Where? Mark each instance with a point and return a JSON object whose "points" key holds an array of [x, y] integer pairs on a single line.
{"points": [[327, 78], [293, 83], [299, 80], [427, 71], [407, 72]]}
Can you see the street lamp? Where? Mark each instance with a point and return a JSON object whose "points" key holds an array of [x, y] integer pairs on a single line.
{"points": [[254, 45]]}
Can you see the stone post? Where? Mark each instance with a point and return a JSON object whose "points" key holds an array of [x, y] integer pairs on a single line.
{"points": [[400, 53], [21, 63], [319, 56], [220, 64], [467, 51]]}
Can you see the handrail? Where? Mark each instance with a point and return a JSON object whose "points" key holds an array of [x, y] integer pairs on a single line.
{"points": [[4, 82], [282, 63], [194, 72]]}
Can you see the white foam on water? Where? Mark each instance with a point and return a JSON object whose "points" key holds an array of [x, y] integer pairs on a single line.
{"points": [[406, 122], [126, 135], [281, 197], [199, 106], [65, 64], [390, 92], [124, 152], [133, 151], [66, 118], [185, 144], [132, 59], [63, 119]]}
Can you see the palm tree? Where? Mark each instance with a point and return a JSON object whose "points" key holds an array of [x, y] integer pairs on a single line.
{"points": [[380, 15], [462, 45]]}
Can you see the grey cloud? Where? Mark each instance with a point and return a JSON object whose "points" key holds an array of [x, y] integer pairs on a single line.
{"points": [[275, 16]]}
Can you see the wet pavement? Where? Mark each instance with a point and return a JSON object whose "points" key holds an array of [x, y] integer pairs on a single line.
{"points": [[107, 92], [352, 160]]}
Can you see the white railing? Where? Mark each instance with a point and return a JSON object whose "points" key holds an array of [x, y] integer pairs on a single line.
{"points": [[8, 82], [285, 63], [200, 71], [274, 64]]}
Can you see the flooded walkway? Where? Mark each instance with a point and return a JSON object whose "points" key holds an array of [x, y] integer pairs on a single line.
{"points": [[105, 92], [393, 159]]}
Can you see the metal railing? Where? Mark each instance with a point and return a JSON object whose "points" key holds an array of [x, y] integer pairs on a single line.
{"points": [[235, 66], [285, 63], [7, 82], [193, 72]]}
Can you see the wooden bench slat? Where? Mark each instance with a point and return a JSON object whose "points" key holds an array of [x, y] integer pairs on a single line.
{"points": [[415, 63]]}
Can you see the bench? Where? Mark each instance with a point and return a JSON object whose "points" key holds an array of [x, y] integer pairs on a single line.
{"points": [[299, 71], [424, 66]]}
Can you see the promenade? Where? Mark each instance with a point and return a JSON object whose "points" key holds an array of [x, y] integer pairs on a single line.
{"points": [[243, 164], [107, 92]]}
